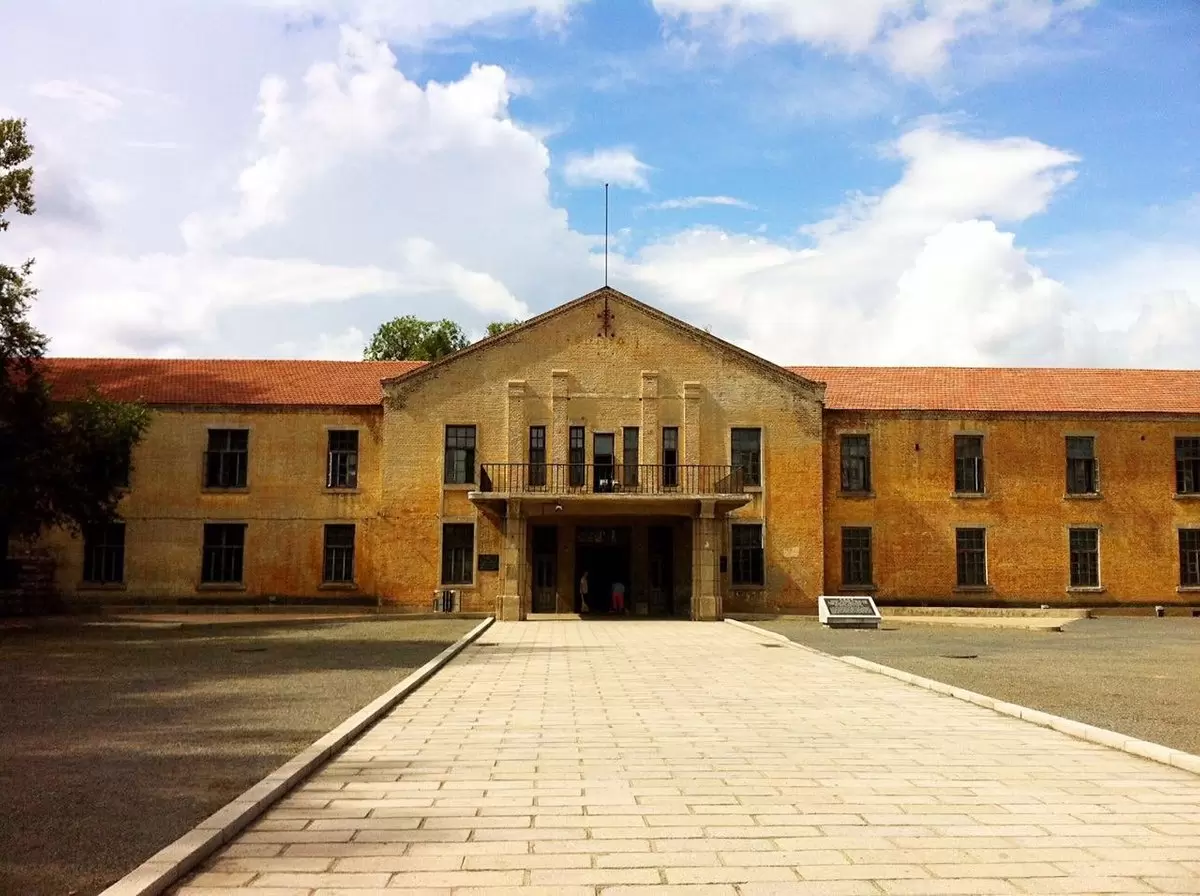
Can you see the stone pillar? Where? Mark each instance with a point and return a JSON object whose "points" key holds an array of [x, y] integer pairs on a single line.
{"points": [[515, 423], [512, 597], [691, 424], [651, 441], [560, 400], [707, 536]]}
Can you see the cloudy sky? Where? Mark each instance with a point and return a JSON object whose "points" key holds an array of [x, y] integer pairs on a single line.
{"points": [[851, 182]]}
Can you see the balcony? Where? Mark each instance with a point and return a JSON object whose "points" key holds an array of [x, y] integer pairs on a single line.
{"points": [[565, 480]]}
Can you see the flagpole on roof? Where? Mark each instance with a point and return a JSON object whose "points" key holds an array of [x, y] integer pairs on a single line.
{"points": [[606, 234]]}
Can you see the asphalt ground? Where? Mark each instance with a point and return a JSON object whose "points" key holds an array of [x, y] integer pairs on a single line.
{"points": [[114, 741], [1136, 675]]}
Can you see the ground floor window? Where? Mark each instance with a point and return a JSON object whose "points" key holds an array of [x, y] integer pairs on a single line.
{"points": [[856, 556], [458, 549], [747, 554], [224, 549], [104, 554], [1085, 558], [1189, 558], [339, 554], [971, 548]]}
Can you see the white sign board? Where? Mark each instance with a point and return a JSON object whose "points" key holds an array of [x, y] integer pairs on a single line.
{"points": [[848, 611]]}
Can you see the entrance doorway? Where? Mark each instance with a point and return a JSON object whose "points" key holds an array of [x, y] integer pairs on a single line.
{"points": [[545, 569], [661, 544], [602, 552]]}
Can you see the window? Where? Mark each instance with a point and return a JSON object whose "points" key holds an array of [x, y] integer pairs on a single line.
{"points": [[856, 556], [1189, 558], [746, 453], [968, 465], [342, 469], [1085, 558], [224, 547], [1081, 465], [339, 554], [971, 547], [460, 454], [458, 549], [856, 463], [1187, 466], [629, 456], [225, 461], [104, 554], [670, 456], [747, 554], [537, 456], [577, 456], [124, 466]]}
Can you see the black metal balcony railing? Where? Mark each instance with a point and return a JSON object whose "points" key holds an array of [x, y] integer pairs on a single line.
{"points": [[589, 479]]}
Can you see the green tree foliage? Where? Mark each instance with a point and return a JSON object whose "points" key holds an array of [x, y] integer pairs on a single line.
{"points": [[495, 329], [62, 463], [410, 339]]}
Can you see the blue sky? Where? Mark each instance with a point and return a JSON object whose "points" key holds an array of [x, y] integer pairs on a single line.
{"points": [[868, 181]]}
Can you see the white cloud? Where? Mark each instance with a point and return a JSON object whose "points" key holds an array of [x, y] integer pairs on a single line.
{"points": [[616, 165], [692, 202], [913, 37], [91, 104]]}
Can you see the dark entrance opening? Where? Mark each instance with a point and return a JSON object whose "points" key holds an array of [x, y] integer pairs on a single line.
{"points": [[545, 569], [661, 544], [603, 553]]}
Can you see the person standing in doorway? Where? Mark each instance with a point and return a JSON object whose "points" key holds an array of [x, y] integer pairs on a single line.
{"points": [[618, 597], [583, 593]]}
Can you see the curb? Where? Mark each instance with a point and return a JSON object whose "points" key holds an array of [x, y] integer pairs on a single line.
{"points": [[170, 864], [1123, 742]]}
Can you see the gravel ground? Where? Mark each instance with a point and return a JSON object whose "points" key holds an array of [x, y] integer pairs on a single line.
{"points": [[115, 741], [1136, 675]]}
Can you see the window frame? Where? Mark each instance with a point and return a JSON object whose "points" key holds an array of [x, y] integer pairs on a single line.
{"points": [[577, 456], [1081, 466], [750, 559], [1077, 564], [752, 455], [452, 454], [670, 468], [965, 558], [1187, 468], [848, 557], [847, 462], [106, 552], [341, 464], [335, 556], [536, 455], [630, 455], [231, 555], [1189, 557], [227, 459], [969, 468], [448, 561]]}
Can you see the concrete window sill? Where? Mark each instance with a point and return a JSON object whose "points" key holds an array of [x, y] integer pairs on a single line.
{"points": [[973, 589], [970, 495], [213, 490], [1188, 589], [853, 589], [338, 586], [340, 490], [1187, 496], [100, 586], [753, 489], [460, 486], [1087, 589], [856, 494], [1082, 496], [221, 586]]}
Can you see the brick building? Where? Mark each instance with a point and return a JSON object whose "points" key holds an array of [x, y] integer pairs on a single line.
{"points": [[609, 438]]}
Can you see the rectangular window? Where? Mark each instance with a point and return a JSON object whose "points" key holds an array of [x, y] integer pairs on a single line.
{"points": [[968, 465], [747, 554], [856, 556], [746, 453], [971, 547], [856, 463], [537, 456], [458, 550], [1187, 466], [124, 467], [670, 456], [1081, 465], [1189, 558], [339, 554], [224, 548], [1085, 558], [342, 468], [460, 455], [227, 458], [629, 457], [104, 554], [577, 456]]}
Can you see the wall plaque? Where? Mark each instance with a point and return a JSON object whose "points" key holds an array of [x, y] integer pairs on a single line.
{"points": [[848, 611], [489, 562]]}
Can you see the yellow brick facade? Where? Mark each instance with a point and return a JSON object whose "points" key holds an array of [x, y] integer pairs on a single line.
{"points": [[672, 546]]}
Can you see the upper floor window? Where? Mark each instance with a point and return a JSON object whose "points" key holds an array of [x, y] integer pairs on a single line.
{"points": [[577, 456], [856, 463], [537, 456], [104, 554], [339, 554], [746, 453], [1085, 558], [670, 456], [856, 556], [1081, 465], [747, 554], [968, 465], [227, 458], [629, 456], [342, 467], [1187, 466], [971, 549], [460, 454], [224, 549], [1189, 558]]}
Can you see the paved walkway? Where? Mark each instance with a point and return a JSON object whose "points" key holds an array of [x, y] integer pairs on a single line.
{"points": [[670, 757]]}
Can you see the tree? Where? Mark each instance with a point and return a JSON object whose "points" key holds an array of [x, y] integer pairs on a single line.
{"points": [[410, 339], [62, 463], [495, 329]]}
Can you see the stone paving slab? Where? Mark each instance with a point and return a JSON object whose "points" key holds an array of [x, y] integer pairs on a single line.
{"points": [[633, 757]]}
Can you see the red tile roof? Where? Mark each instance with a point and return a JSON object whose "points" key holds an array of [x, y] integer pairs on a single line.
{"points": [[357, 384], [221, 382]]}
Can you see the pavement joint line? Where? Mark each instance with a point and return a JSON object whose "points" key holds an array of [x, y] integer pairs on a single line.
{"points": [[174, 861], [1144, 749]]}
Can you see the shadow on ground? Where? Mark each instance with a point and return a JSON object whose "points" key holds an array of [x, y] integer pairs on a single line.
{"points": [[115, 741]]}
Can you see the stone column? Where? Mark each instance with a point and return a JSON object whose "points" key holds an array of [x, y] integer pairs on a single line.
{"points": [[515, 423], [691, 424], [560, 415], [707, 536], [651, 441], [512, 597]]}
